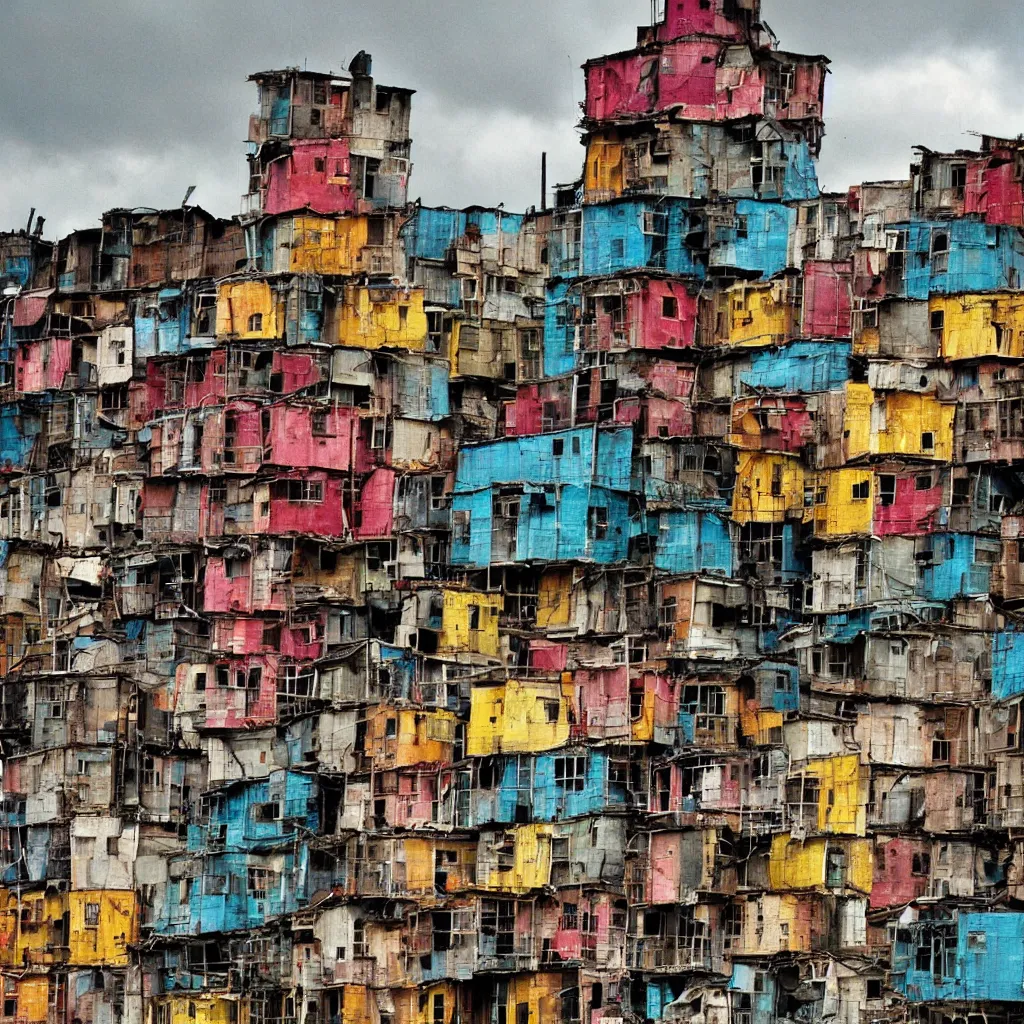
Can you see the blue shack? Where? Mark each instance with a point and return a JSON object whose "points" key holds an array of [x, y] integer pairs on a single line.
{"points": [[631, 234], [549, 497], [956, 957], [800, 368], [756, 240]]}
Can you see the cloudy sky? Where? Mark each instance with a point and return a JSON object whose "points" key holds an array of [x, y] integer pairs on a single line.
{"points": [[128, 102]]}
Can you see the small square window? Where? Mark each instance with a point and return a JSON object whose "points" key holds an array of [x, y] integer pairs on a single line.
{"points": [[927, 441], [670, 307], [862, 491], [557, 446], [923, 483]]}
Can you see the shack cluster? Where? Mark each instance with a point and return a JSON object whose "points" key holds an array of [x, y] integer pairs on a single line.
{"points": [[603, 614]]}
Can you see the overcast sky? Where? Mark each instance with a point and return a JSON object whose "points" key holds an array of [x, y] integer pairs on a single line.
{"points": [[128, 102]]}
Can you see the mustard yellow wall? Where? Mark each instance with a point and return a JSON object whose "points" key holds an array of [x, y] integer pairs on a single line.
{"points": [[531, 862], [237, 301], [356, 1009], [413, 743], [33, 998], [857, 420], [324, 245], [603, 168], [867, 341], [969, 325], [512, 717], [421, 857], [753, 501], [107, 942], [28, 942], [365, 323], [455, 631], [907, 417], [553, 598], [842, 804], [407, 1004], [208, 1009], [758, 316], [540, 991], [802, 865], [841, 513], [758, 725], [642, 728]]}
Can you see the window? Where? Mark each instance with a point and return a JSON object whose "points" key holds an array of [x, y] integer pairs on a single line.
{"points": [[557, 447], [255, 323], [940, 750], [359, 939], [571, 773], [267, 812], [303, 491], [861, 491], [742, 227], [236, 568], [570, 917], [92, 915], [886, 490], [670, 307], [923, 483], [461, 527], [927, 441], [260, 881], [318, 421], [598, 523], [552, 711], [438, 1009]]}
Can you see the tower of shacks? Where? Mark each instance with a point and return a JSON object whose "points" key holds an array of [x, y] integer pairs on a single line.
{"points": [[606, 614]]}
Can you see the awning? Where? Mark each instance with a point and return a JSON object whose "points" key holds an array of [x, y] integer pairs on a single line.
{"points": [[29, 307]]}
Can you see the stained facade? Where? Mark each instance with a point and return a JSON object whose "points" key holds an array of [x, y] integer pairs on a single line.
{"points": [[606, 613]]}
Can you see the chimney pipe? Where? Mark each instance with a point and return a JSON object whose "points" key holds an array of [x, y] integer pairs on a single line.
{"points": [[543, 181], [31, 214]]}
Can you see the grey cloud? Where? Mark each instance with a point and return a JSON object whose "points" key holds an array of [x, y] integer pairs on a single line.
{"points": [[126, 102]]}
